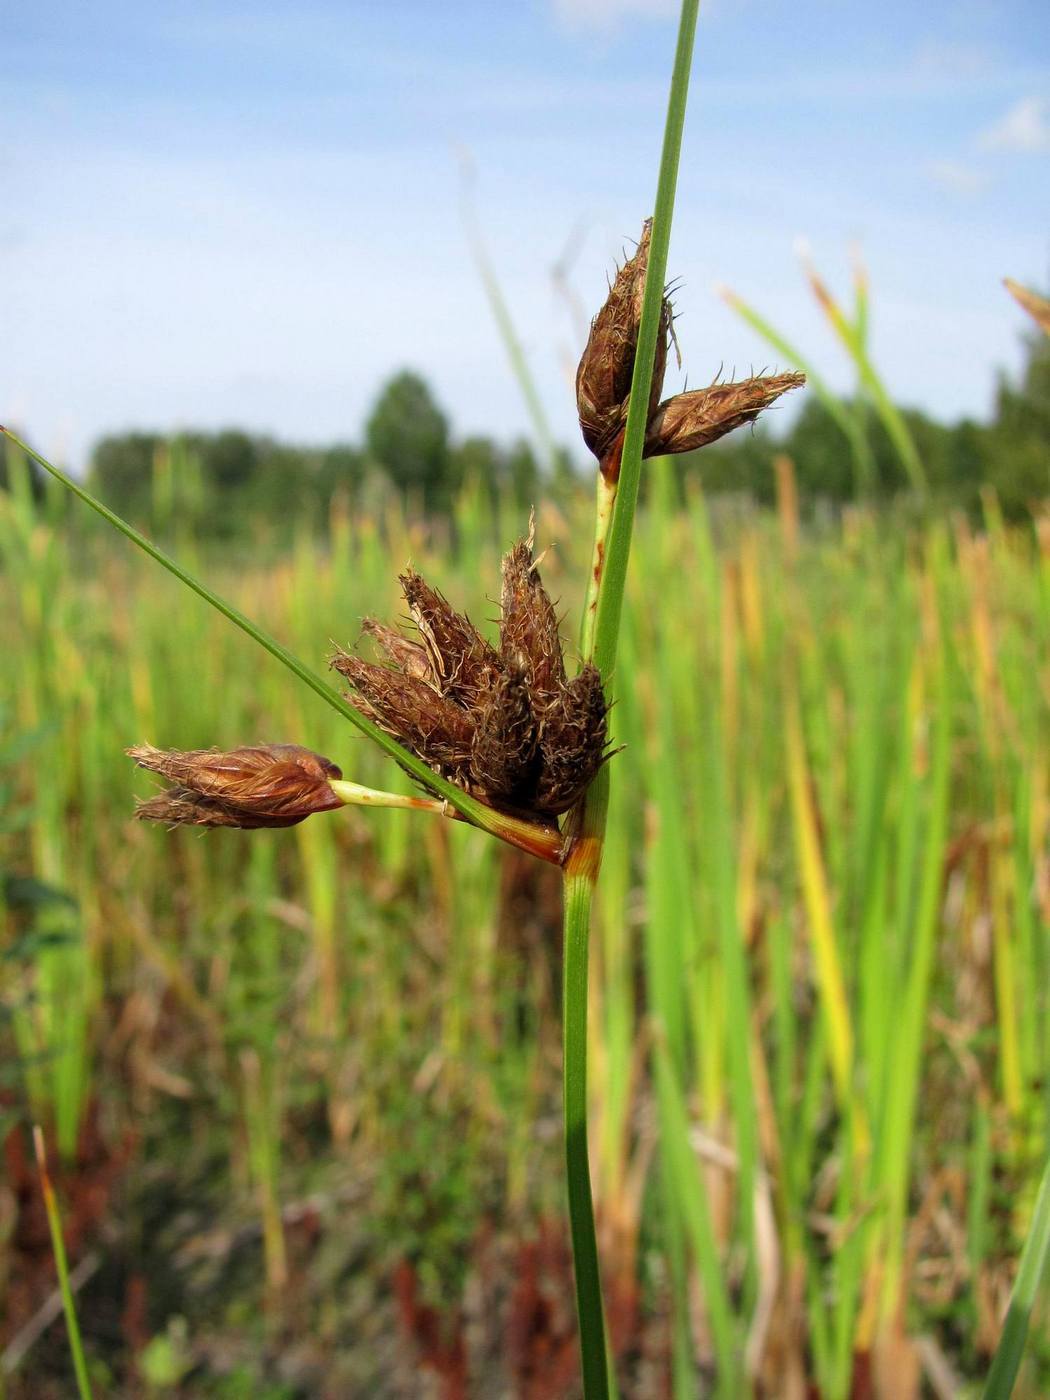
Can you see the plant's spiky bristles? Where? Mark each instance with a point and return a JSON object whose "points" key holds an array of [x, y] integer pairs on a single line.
{"points": [[701, 416], [504, 724], [573, 741], [679, 424], [410, 657], [259, 785], [603, 378], [505, 749], [432, 726], [529, 625], [462, 663]]}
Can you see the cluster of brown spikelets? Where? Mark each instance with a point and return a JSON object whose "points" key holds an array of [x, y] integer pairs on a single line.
{"points": [[681, 423], [504, 723]]}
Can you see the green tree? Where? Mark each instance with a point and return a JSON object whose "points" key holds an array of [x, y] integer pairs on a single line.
{"points": [[1019, 446], [407, 435], [121, 472]]}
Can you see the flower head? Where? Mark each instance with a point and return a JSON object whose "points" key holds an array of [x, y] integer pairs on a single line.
{"points": [[503, 723]]}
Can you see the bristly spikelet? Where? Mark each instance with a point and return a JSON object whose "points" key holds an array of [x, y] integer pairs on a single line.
{"points": [[504, 723], [606, 370], [572, 742], [505, 749], [603, 378], [529, 625], [259, 785], [410, 657], [432, 726], [701, 416], [462, 662]]}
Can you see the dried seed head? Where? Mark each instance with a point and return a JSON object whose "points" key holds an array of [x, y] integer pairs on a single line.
{"points": [[505, 725], [261, 785], [702, 416], [529, 625], [504, 753], [408, 656], [573, 741], [603, 378], [431, 725], [462, 663]]}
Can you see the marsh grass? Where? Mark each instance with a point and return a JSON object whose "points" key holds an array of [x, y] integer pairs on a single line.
{"points": [[893, 671]]}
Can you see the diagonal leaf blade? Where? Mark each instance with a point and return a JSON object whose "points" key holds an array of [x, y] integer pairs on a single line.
{"points": [[530, 837]]}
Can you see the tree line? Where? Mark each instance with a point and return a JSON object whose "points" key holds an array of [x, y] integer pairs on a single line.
{"points": [[224, 483]]}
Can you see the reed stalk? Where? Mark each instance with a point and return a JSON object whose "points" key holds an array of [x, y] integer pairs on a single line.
{"points": [[617, 500]]}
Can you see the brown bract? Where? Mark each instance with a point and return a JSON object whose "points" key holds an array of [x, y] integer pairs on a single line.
{"points": [[259, 785], [503, 723]]}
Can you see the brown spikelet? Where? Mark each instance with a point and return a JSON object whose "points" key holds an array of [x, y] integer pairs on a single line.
{"points": [[603, 378], [431, 725], [701, 416], [573, 741], [408, 656], [529, 625], [259, 785], [504, 752], [461, 660]]}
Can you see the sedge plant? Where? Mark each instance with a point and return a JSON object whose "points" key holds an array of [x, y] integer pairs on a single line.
{"points": [[500, 736]]}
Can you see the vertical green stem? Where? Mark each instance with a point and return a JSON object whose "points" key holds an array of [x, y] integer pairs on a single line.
{"points": [[618, 547], [579, 891], [601, 627]]}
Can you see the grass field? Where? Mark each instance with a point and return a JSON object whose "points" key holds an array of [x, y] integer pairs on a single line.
{"points": [[302, 1086]]}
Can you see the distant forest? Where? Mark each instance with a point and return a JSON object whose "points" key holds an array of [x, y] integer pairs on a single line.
{"points": [[220, 483]]}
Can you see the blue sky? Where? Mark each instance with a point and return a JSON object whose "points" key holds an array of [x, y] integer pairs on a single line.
{"points": [[251, 214]]}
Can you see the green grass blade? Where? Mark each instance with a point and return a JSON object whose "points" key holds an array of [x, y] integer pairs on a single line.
{"points": [[58, 1244], [518, 832], [1007, 1359], [507, 331], [848, 423]]}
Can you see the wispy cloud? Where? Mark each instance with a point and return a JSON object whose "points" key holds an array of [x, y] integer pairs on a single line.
{"points": [[1025, 128], [957, 177]]}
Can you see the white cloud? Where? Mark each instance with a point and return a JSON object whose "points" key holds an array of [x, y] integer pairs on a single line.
{"points": [[1024, 128], [956, 177], [607, 14]]}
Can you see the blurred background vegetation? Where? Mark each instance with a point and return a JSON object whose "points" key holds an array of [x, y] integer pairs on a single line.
{"points": [[302, 1086], [227, 484]]}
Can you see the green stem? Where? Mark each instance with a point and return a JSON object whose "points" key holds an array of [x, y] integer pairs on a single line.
{"points": [[618, 548], [600, 632], [537, 840], [579, 891]]}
